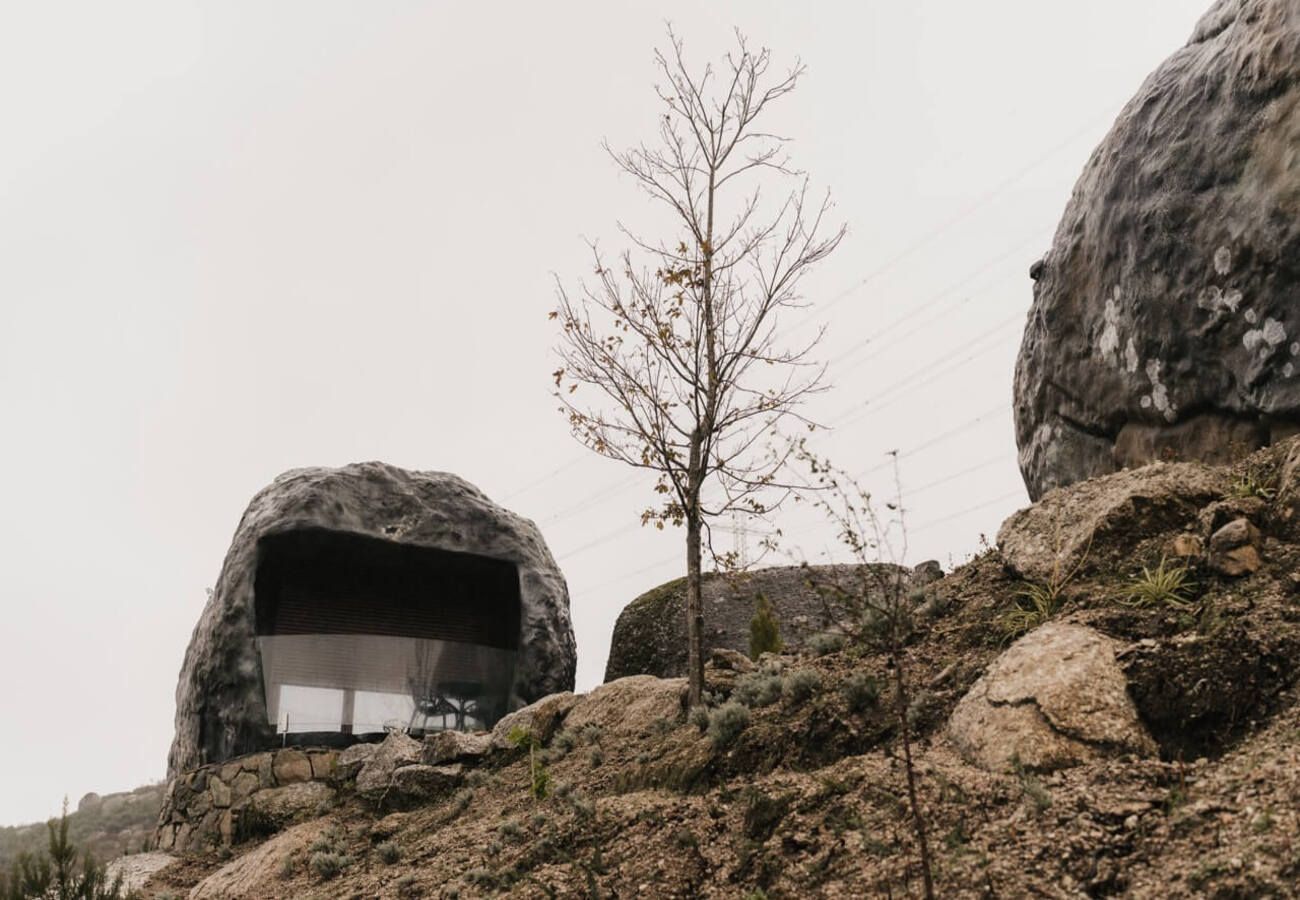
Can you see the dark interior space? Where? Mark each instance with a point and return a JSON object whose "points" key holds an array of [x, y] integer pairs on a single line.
{"points": [[314, 581], [358, 636]]}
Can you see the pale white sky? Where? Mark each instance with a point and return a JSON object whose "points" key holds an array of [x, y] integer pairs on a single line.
{"points": [[237, 238]]}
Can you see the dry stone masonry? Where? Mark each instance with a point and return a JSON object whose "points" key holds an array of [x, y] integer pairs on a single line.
{"points": [[1164, 323]]}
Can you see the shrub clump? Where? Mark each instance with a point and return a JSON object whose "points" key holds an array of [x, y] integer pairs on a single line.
{"points": [[758, 689], [801, 684], [861, 691], [824, 643], [389, 853], [327, 865], [727, 722]]}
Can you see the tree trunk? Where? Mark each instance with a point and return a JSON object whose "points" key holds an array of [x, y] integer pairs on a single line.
{"points": [[905, 733], [694, 613], [694, 596]]}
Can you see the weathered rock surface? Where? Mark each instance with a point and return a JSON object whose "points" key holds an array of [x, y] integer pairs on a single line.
{"points": [[352, 759], [293, 801], [630, 705], [1088, 524], [412, 784], [377, 773], [1164, 321], [137, 868], [449, 746], [1056, 698], [650, 634], [249, 875], [220, 703], [541, 719]]}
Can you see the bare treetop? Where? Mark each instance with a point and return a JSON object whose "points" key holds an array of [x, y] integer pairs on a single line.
{"points": [[680, 336]]}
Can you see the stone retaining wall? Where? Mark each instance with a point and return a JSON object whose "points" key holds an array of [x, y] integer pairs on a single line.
{"points": [[220, 803]]}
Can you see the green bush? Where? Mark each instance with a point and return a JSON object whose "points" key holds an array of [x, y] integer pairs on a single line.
{"points": [[764, 631], [727, 722]]}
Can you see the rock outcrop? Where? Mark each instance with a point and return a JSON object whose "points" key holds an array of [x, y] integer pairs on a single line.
{"points": [[650, 634], [220, 704], [1164, 321], [1093, 523], [1056, 698]]}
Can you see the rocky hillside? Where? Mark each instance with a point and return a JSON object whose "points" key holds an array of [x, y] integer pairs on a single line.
{"points": [[1106, 706], [107, 826]]}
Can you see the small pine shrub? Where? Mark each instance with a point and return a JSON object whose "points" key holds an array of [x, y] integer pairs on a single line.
{"points": [[758, 689], [727, 722], [596, 757], [861, 691], [764, 631], [389, 853], [801, 684], [825, 642]]}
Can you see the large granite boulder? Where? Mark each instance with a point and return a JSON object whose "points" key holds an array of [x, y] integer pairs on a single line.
{"points": [[1164, 321], [1056, 698], [650, 633], [220, 704]]}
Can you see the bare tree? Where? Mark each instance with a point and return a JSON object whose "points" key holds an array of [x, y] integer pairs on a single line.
{"points": [[870, 600], [679, 337]]}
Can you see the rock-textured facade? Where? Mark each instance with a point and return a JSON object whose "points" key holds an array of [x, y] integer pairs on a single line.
{"points": [[312, 573], [1165, 321]]}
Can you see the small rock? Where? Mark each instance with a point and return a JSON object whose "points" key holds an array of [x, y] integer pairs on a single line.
{"points": [[322, 764], [1187, 546], [1238, 561], [349, 762], [1056, 698], [397, 750], [447, 746], [734, 660], [542, 719], [420, 782], [291, 766], [1234, 534], [293, 801], [220, 793], [1131, 823]]}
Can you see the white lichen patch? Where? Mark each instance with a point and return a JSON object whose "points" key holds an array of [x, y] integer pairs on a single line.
{"points": [[1109, 343], [1159, 396], [1222, 260], [1288, 370], [1216, 299], [1266, 338], [1251, 317], [1130, 357]]}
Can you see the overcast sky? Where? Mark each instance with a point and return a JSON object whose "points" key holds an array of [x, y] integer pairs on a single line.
{"points": [[238, 238]]}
